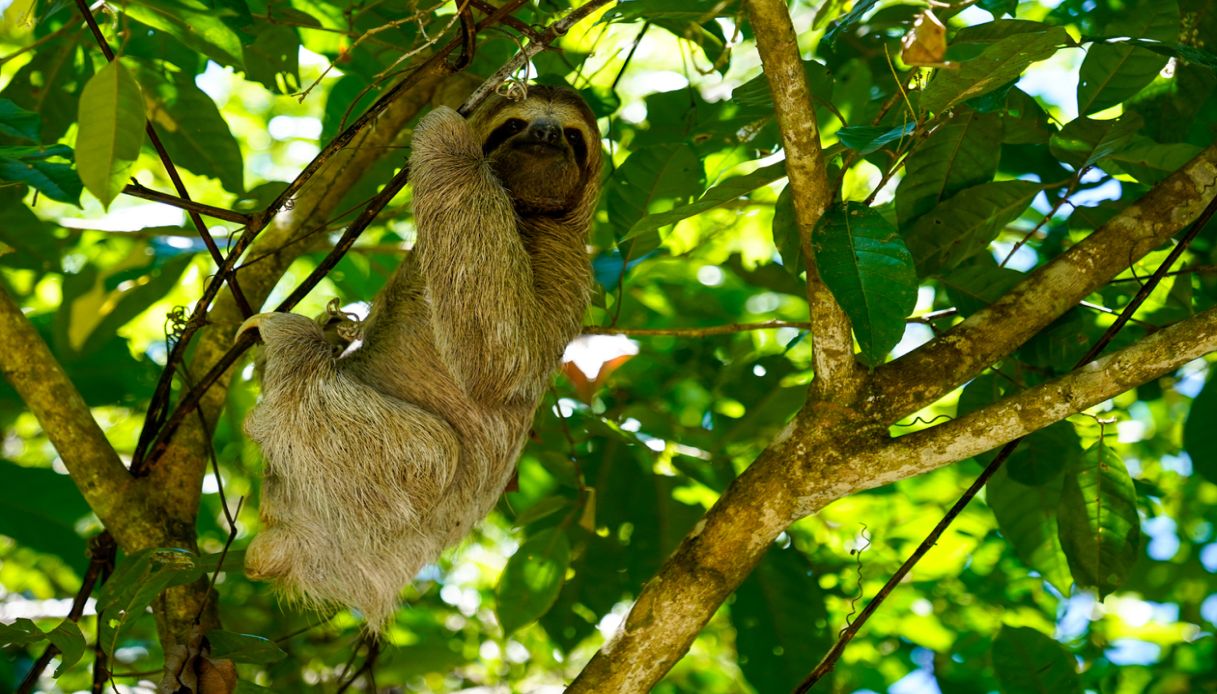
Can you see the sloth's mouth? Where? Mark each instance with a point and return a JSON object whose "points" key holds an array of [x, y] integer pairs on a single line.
{"points": [[539, 148]]}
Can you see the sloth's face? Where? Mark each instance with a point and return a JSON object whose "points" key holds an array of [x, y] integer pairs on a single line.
{"points": [[545, 149]]}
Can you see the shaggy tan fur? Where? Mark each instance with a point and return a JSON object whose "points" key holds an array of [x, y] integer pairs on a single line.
{"points": [[377, 461]]}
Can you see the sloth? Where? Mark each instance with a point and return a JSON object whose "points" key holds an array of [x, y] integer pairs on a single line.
{"points": [[378, 459]]}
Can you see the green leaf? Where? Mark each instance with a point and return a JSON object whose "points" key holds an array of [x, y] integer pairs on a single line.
{"points": [[786, 234], [959, 154], [32, 240], [70, 642], [978, 284], [193, 23], [780, 621], [18, 122], [999, 7], [854, 16], [1199, 432], [1026, 516], [21, 632], [870, 271], [869, 138], [997, 65], [50, 83], [111, 130], [730, 189], [244, 648], [532, 579], [194, 132], [43, 516], [1099, 527], [964, 225], [1083, 141], [135, 583], [274, 59], [654, 179], [1045, 455], [1026, 662], [57, 181], [1111, 73]]}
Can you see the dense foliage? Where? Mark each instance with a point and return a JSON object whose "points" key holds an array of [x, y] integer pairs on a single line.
{"points": [[1090, 562]]}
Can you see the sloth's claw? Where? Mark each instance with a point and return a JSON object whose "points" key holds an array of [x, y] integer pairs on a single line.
{"points": [[251, 323]]}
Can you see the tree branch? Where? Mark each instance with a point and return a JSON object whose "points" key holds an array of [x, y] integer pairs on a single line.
{"points": [[1036, 408], [838, 374], [926, 374], [136, 190], [38, 378]]}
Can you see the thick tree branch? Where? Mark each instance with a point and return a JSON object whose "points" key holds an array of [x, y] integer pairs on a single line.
{"points": [[1036, 408], [926, 374], [838, 374], [38, 378]]}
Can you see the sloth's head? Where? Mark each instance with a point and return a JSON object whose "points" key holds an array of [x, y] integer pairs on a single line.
{"points": [[545, 149]]}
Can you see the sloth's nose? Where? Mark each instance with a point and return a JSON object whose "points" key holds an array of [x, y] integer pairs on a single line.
{"points": [[546, 130]]}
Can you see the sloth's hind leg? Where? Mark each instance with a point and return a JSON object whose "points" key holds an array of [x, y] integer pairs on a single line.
{"points": [[350, 471]]}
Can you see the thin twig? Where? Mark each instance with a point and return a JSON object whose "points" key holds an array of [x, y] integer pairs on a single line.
{"points": [[826, 665], [696, 332], [101, 556], [136, 190]]}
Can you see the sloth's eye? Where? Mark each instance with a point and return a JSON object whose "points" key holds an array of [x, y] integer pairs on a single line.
{"points": [[573, 136], [515, 125]]}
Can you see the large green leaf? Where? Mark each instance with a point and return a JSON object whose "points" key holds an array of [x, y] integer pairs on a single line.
{"points": [[870, 271], [194, 132], [136, 582], [781, 624], [195, 24], [1112, 73], [965, 224], [66, 636], [44, 515], [111, 130], [730, 189], [999, 64], [532, 579], [1026, 516], [865, 139], [654, 179], [1099, 527], [273, 59], [1200, 430], [962, 152], [1028, 662]]}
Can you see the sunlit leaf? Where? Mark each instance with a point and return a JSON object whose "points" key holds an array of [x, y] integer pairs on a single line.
{"points": [[1114, 72], [870, 271], [70, 642], [730, 189], [194, 132], [1083, 141], [998, 64], [532, 578], [655, 179], [1099, 526], [193, 23], [1028, 662], [1026, 516], [111, 131], [867, 138]]}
